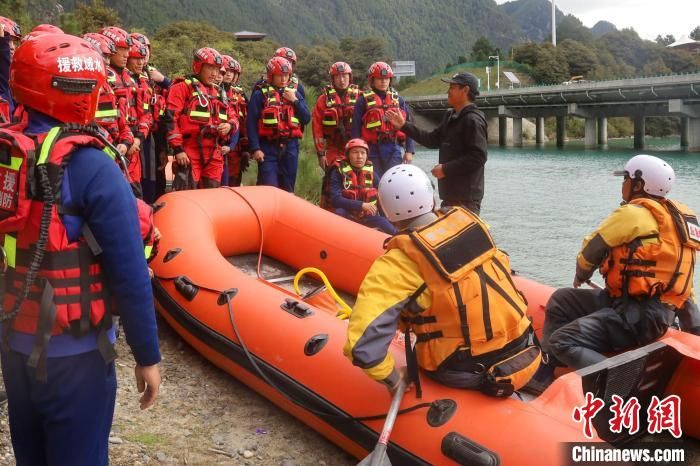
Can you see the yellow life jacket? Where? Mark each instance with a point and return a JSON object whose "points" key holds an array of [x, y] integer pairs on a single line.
{"points": [[475, 305], [659, 265]]}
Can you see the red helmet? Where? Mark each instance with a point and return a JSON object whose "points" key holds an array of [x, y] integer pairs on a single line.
{"points": [[11, 28], [278, 65], [138, 37], [47, 28], [205, 56], [231, 64], [380, 70], [59, 75], [104, 44], [138, 50], [340, 67], [357, 142], [120, 37], [286, 52]]}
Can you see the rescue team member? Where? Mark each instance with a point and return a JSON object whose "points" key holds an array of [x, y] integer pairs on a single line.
{"points": [[353, 188], [238, 156], [369, 121], [276, 115], [58, 355], [155, 149], [143, 94], [461, 139], [196, 120], [119, 78], [10, 35], [443, 277], [291, 56], [332, 116], [108, 114], [646, 251]]}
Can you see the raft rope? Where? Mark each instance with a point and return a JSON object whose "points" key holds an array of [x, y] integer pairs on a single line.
{"points": [[260, 225], [345, 311]]}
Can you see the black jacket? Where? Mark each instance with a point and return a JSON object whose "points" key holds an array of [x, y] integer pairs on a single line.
{"points": [[461, 139]]}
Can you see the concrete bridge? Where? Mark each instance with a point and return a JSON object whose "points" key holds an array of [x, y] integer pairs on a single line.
{"points": [[676, 96]]}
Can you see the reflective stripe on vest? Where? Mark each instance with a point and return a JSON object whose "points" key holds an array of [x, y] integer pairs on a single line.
{"points": [[10, 246]]}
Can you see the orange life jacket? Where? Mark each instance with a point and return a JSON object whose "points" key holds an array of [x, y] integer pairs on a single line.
{"points": [[202, 108], [337, 116], [375, 128], [278, 118], [476, 307], [662, 268]]}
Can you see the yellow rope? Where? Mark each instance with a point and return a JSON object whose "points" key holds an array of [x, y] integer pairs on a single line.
{"points": [[345, 311]]}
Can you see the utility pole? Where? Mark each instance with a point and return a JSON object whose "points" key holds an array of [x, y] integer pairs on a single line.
{"points": [[498, 69], [488, 78], [554, 23]]}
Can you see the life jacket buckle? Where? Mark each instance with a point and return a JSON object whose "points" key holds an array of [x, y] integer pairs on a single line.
{"points": [[3, 257]]}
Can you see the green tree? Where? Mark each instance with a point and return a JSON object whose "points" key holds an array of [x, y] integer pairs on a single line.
{"points": [[695, 33], [551, 67], [656, 67], [668, 39], [92, 17], [482, 49], [570, 27], [581, 59], [526, 53]]}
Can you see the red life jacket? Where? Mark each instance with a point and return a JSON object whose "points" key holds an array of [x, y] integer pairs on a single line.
{"points": [[107, 112], [358, 184], [337, 116], [144, 100], [203, 108], [125, 88], [375, 128], [4, 111], [278, 118], [71, 291]]}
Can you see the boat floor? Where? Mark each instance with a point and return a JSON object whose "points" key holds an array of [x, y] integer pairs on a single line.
{"points": [[282, 275]]}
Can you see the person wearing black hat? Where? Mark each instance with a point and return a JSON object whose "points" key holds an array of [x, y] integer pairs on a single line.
{"points": [[461, 138]]}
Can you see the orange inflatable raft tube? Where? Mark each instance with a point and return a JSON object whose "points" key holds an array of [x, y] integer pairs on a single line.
{"points": [[289, 348]]}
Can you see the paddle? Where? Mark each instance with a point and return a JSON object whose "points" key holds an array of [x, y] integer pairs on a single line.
{"points": [[378, 456]]}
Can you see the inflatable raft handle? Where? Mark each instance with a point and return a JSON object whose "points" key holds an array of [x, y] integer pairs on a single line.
{"points": [[345, 311]]}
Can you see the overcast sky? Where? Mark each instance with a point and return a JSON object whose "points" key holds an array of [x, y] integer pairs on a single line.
{"points": [[648, 17]]}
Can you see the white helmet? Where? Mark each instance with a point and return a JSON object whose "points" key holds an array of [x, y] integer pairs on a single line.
{"points": [[405, 191], [658, 176]]}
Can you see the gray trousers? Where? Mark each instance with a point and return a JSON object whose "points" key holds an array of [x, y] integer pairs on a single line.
{"points": [[581, 324]]}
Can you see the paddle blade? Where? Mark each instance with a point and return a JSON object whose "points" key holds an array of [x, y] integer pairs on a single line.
{"points": [[377, 458]]}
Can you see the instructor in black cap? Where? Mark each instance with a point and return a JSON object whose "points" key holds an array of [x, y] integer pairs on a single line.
{"points": [[461, 138]]}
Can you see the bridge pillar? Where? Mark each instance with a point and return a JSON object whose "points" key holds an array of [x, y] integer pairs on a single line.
{"points": [[603, 131], [591, 134], [694, 134], [561, 130], [539, 130], [502, 131], [517, 132], [639, 131], [685, 127]]}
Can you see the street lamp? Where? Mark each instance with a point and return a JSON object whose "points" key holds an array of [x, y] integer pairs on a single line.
{"points": [[498, 69]]}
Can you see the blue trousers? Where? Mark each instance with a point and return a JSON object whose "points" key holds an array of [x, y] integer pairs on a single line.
{"points": [[65, 421], [279, 168], [384, 156], [375, 221]]}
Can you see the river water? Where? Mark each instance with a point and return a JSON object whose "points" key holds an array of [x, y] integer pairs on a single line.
{"points": [[541, 202]]}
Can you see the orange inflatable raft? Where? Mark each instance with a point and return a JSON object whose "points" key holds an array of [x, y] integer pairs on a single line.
{"points": [[289, 347]]}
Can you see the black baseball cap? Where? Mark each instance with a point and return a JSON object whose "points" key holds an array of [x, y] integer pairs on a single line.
{"points": [[464, 79]]}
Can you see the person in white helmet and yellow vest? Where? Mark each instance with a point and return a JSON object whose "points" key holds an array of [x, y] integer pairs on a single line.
{"points": [[442, 278], [645, 250]]}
